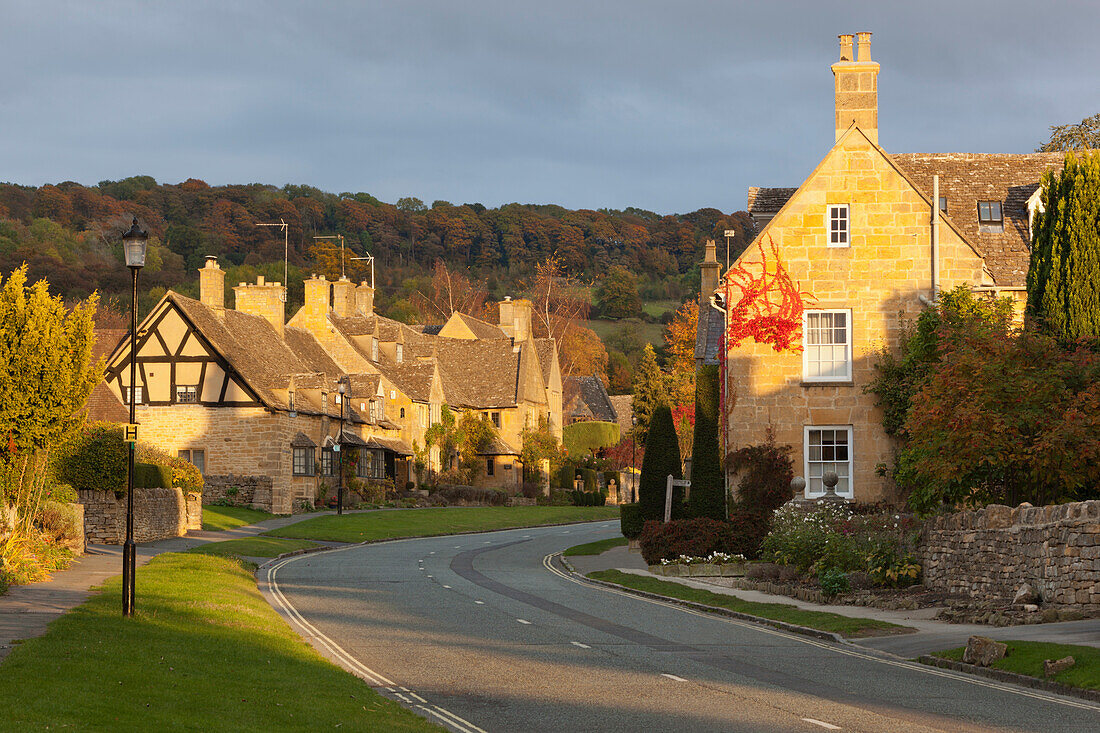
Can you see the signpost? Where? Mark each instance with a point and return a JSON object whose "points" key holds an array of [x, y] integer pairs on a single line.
{"points": [[669, 483]]}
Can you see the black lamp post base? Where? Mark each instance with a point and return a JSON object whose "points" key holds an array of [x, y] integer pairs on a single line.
{"points": [[129, 565]]}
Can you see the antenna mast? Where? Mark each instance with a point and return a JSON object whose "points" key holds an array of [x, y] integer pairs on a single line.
{"points": [[286, 251]]}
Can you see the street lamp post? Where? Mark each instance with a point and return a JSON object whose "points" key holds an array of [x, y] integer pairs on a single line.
{"points": [[134, 244], [633, 476], [342, 389]]}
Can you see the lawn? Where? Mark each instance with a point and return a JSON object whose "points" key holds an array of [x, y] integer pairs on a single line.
{"points": [[383, 525], [846, 626], [648, 332], [253, 547], [204, 651], [1026, 657], [658, 308], [231, 517], [595, 548]]}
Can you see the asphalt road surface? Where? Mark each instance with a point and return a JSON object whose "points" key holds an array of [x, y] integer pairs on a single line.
{"points": [[485, 633]]}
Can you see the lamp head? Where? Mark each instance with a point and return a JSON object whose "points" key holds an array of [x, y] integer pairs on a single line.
{"points": [[134, 245]]}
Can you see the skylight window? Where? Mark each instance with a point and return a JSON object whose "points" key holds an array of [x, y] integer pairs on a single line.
{"points": [[990, 217]]}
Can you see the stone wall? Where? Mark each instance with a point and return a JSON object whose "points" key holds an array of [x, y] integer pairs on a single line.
{"points": [[251, 491], [158, 514], [991, 552]]}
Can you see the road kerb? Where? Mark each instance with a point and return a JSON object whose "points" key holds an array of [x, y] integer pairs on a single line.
{"points": [[1002, 675]]}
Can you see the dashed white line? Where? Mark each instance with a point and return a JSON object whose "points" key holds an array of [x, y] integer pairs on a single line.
{"points": [[582, 646], [822, 723], [429, 576], [447, 587], [673, 677], [523, 621], [480, 603]]}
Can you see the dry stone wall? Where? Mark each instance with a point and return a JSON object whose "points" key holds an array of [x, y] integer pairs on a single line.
{"points": [[158, 514], [991, 552], [250, 491]]}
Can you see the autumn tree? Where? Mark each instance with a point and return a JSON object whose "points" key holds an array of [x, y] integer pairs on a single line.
{"points": [[1063, 281], [680, 340], [618, 295], [560, 309], [1085, 135], [450, 293]]}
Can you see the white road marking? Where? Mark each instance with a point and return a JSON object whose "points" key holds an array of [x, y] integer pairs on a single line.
{"points": [[429, 576], [523, 621], [432, 552], [453, 720], [547, 562], [480, 603], [582, 646], [673, 677], [822, 723], [447, 587], [487, 543]]}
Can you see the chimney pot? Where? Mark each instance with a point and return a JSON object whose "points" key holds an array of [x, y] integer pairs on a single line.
{"points": [[212, 285], [864, 50], [845, 46]]}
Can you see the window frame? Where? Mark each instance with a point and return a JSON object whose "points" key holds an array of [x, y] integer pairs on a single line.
{"points": [[399, 353], [138, 392], [190, 457], [848, 429], [310, 467], [490, 465], [846, 231], [806, 376], [494, 417], [328, 461], [990, 224], [187, 389], [943, 204]]}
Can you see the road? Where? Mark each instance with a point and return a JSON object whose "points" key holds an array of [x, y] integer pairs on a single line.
{"points": [[484, 633]]}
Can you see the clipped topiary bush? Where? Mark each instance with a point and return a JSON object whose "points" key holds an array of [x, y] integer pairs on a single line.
{"points": [[693, 537], [630, 521], [582, 438], [588, 498], [662, 457], [152, 476]]}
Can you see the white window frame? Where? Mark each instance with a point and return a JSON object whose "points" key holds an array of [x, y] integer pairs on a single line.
{"points": [[137, 391], [806, 430], [806, 376], [187, 394], [845, 239]]}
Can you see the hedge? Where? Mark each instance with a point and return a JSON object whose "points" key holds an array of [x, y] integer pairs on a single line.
{"points": [[701, 536], [630, 521], [96, 459], [152, 476], [588, 498], [582, 438]]}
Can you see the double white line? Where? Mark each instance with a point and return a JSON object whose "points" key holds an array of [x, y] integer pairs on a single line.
{"points": [[353, 665]]}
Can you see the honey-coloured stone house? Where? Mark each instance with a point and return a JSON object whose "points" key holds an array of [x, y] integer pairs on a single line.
{"points": [[240, 391], [872, 238]]}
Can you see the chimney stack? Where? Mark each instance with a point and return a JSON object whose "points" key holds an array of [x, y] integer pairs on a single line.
{"points": [[343, 298], [515, 318], [364, 299], [856, 83], [263, 299], [316, 297], [708, 272], [212, 285]]}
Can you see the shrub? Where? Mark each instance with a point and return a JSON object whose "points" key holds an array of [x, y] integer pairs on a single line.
{"points": [[587, 498], [833, 582], [708, 489], [63, 494], [556, 498], [748, 530], [95, 459], [59, 524], [631, 521], [152, 476], [473, 495], [766, 472], [693, 537]]}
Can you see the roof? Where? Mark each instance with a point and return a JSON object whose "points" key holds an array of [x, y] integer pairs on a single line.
{"points": [[414, 378], [479, 328], [478, 374], [498, 447], [102, 403], [394, 445], [708, 333], [624, 410], [966, 179], [301, 440], [586, 398]]}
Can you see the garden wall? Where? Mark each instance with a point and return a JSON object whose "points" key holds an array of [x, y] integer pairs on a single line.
{"points": [[158, 514], [250, 491], [995, 550]]}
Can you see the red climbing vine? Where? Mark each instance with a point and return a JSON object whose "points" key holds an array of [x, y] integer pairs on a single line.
{"points": [[768, 306]]}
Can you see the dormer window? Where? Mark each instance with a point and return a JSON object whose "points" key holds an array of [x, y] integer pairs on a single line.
{"points": [[990, 217], [838, 225]]}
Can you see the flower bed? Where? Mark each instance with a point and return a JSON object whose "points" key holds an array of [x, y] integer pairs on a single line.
{"points": [[717, 564]]}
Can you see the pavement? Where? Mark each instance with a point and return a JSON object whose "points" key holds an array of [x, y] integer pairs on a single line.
{"points": [[27, 610], [930, 636]]}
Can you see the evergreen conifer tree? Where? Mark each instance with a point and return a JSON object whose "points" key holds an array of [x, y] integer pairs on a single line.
{"points": [[1063, 281], [708, 491], [650, 390], [662, 457]]}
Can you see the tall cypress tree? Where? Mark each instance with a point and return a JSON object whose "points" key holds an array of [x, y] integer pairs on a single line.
{"points": [[662, 457], [650, 390], [1063, 282], [708, 491]]}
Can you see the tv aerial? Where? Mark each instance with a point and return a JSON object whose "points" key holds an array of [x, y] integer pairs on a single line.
{"points": [[286, 252]]}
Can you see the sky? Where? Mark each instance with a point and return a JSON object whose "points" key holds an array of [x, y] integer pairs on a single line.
{"points": [[666, 106]]}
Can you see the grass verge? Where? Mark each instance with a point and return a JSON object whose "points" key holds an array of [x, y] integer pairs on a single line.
{"points": [[253, 547], [231, 517], [847, 626], [204, 651], [595, 548], [1026, 658], [436, 521]]}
